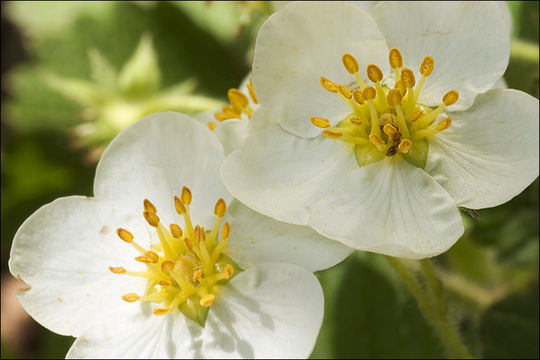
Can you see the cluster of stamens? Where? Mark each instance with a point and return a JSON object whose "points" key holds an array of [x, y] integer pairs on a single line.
{"points": [[184, 270], [239, 104], [389, 120]]}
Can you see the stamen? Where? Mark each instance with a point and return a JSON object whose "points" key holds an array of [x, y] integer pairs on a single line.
{"points": [[207, 300], [130, 297], [188, 243], [400, 87], [450, 97], [374, 73], [148, 206], [144, 259], [152, 256], [160, 311], [376, 140], [229, 271], [238, 100], [357, 96], [220, 208], [117, 270], [395, 58], [180, 208], [151, 218], [425, 69], [320, 122], [444, 124], [394, 100], [343, 90], [124, 235], [252, 91], [176, 231], [389, 130], [212, 126], [350, 63], [167, 266], [331, 135], [164, 283], [356, 121], [328, 85], [416, 115], [197, 275], [186, 195], [405, 145]]}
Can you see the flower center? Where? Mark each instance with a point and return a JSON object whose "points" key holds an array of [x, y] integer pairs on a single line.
{"points": [[186, 268], [239, 105], [386, 122]]}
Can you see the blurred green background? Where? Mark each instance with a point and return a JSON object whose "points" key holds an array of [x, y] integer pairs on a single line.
{"points": [[70, 70]]}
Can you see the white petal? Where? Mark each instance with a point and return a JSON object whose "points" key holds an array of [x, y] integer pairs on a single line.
{"points": [[390, 207], [232, 134], [141, 335], [268, 311], [155, 157], [256, 238], [63, 252], [282, 175], [490, 152], [299, 44], [469, 42], [500, 84], [366, 5]]}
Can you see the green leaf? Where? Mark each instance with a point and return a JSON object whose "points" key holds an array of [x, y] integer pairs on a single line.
{"points": [[509, 328]]}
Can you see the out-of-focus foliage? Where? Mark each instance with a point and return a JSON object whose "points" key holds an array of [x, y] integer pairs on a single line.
{"points": [[490, 276]]}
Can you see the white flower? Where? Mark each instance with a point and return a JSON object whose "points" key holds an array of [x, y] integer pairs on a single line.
{"points": [[164, 292], [394, 164]]}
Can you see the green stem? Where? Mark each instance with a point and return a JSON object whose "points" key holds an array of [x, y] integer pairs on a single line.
{"points": [[433, 308]]}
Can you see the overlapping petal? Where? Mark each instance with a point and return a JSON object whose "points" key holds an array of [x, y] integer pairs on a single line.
{"points": [[282, 175], [175, 151], [469, 41], [390, 207], [490, 153], [256, 238], [63, 252], [299, 44]]}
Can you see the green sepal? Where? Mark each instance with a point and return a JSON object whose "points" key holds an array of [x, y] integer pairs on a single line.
{"points": [[367, 154], [417, 155]]}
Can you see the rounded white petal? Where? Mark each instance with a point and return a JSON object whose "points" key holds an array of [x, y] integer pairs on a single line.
{"points": [[500, 84], [63, 252], [232, 133], [490, 152], [469, 42], [302, 42], [390, 207], [282, 175], [140, 335], [155, 157], [256, 238], [271, 310]]}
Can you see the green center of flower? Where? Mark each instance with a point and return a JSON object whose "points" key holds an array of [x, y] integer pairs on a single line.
{"points": [[386, 122], [186, 268]]}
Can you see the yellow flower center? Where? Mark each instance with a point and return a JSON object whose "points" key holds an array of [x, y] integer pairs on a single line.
{"points": [[186, 268], [386, 121], [239, 104]]}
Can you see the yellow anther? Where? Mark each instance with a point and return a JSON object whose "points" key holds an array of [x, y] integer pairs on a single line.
{"points": [[124, 235], [167, 266], [350, 63], [357, 96], [329, 85], [343, 90], [394, 98], [186, 195], [212, 126], [400, 87], [376, 140], [407, 78], [395, 58], [405, 145], [144, 259], [176, 231], [202, 234], [369, 93], [252, 91], [427, 65], [164, 283], [197, 275], [416, 115], [151, 218], [130, 297], [228, 271], [444, 124], [189, 243], [117, 270], [160, 311], [152, 256], [180, 208], [389, 129], [148, 206], [320, 122], [374, 73], [207, 300], [238, 100], [226, 230], [450, 97], [356, 121], [331, 135], [220, 208]]}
